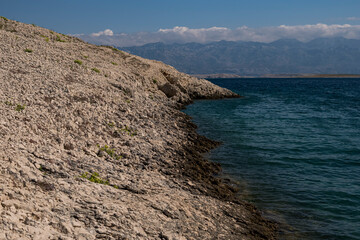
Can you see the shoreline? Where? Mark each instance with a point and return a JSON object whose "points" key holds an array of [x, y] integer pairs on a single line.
{"points": [[211, 183], [234, 76], [214, 184]]}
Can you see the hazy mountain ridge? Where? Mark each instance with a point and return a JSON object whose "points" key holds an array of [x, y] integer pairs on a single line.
{"points": [[284, 56]]}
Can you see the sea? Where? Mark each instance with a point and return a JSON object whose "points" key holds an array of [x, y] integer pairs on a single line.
{"points": [[293, 147]]}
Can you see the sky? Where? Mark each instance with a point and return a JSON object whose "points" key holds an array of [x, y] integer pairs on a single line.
{"points": [[126, 22]]}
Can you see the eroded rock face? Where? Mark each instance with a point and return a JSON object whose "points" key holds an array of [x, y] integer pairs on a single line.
{"points": [[169, 89], [92, 148]]}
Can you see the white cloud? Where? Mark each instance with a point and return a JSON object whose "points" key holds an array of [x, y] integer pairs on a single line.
{"points": [[106, 32], [244, 33], [183, 30], [309, 32], [353, 18], [185, 34]]}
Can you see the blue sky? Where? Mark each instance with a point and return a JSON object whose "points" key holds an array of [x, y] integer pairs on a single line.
{"points": [[88, 16], [133, 16]]}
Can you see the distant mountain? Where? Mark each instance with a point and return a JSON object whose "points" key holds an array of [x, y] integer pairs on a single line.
{"points": [[285, 56]]}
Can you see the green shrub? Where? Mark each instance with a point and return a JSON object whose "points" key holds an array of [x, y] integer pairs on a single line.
{"points": [[96, 70], [109, 151], [5, 19], [41, 168], [154, 81], [45, 37], [129, 131], [28, 50], [58, 39], [111, 47], [114, 63], [95, 178], [19, 107], [77, 61]]}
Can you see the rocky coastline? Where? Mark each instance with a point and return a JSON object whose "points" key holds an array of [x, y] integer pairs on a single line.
{"points": [[94, 146]]}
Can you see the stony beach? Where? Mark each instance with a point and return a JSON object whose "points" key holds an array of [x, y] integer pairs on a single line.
{"points": [[93, 145]]}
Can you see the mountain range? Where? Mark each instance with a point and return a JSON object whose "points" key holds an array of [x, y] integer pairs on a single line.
{"points": [[284, 56]]}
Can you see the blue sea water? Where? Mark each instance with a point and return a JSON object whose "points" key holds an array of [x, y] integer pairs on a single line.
{"points": [[293, 145]]}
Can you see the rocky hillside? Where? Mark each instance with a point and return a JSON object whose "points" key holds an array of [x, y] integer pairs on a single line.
{"points": [[93, 146]]}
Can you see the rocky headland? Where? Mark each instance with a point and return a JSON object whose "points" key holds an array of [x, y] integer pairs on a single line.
{"points": [[93, 146]]}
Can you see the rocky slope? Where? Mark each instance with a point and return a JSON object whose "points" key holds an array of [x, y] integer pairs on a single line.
{"points": [[93, 146]]}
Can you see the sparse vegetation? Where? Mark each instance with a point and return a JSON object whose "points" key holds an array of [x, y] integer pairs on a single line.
{"points": [[155, 80], [109, 151], [45, 37], [44, 170], [8, 103], [95, 178], [96, 70], [52, 32], [5, 19], [19, 107], [86, 57], [33, 25], [114, 63], [77, 61], [129, 131], [41, 169], [111, 124], [28, 50], [111, 47], [58, 39], [121, 53]]}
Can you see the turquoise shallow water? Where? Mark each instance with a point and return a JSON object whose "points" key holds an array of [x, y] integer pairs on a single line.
{"points": [[294, 147]]}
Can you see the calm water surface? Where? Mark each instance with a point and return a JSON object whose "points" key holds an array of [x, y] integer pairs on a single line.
{"points": [[294, 147]]}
